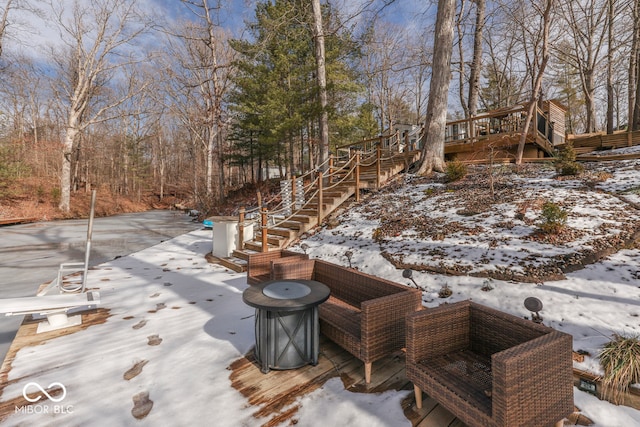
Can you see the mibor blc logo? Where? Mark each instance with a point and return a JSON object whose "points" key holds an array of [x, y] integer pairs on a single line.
{"points": [[34, 393], [30, 386]]}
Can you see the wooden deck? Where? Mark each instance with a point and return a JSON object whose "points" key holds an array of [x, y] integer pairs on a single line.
{"points": [[274, 395]]}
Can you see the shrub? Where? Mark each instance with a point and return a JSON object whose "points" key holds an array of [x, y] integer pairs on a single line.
{"points": [[455, 170], [445, 292], [55, 195], [620, 359], [554, 218], [571, 168], [566, 161]]}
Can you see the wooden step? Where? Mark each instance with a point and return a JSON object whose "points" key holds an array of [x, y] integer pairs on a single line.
{"points": [[281, 231], [309, 212], [275, 240], [236, 264], [292, 225], [301, 218], [257, 246]]}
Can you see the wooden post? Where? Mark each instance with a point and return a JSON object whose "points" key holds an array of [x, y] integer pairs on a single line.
{"points": [[319, 197], [293, 193], [357, 176], [259, 199], [240, 244], [330, 169], [378, 156], [265, 246]]}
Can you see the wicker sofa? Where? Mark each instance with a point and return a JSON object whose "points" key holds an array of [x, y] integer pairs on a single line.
{"points": [[490, 368], [259, 265], [365, 314]]}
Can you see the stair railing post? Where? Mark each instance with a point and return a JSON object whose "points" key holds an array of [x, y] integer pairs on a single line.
{"points": [[240, 244], [357, 176], [378, 156], [319, 197], [293, 193], [265, 247], [330, 171]]}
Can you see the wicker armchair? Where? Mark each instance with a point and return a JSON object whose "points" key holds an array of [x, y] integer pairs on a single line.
{"points": [[490, 368], [365, 314], [259, 264]]}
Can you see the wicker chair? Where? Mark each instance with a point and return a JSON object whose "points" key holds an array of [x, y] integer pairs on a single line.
{"points": [[490, 368], [259, 264], [365, 314]]}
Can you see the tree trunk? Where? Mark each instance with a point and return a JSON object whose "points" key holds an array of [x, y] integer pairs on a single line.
{"points": [[546, 18], [633, 66], [322, 82], [432, 156], [590, 100], [610, 58], [67, 152], [461, 74], [476, 65]]}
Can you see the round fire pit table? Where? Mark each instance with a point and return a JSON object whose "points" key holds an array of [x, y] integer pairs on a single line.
{"points": [[287, 330]]}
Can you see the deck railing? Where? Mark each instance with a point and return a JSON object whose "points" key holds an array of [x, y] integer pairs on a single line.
{"points": [[340, 168]]}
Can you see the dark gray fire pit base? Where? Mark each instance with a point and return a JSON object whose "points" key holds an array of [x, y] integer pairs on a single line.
{"points": [[287, 329]]}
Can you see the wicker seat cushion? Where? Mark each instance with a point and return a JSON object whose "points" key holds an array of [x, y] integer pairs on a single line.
{"points": [[466, 372]]}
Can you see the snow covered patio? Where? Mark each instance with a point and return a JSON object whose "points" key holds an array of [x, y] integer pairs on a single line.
{"points": [[173, 330]]}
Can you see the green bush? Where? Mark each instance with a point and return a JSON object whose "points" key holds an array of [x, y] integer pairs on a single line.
{"points": [[565, 162], [55, 195], [455, 170], [554, 218], [571, 168]]}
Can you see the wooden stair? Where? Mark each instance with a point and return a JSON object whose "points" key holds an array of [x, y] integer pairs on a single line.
{"points": [[286, 231]]}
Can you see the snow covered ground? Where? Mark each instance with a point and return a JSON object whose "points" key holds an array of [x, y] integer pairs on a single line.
{"points": [[182, 321]]}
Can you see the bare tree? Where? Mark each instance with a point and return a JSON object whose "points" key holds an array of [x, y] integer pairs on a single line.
{"points": [[432, 156], [470, 101], [383, 62], [504, 83], [420, 61], [196, 70], [537, 66], [96, 38], [4, 20], [476, 64], [587, 26]]}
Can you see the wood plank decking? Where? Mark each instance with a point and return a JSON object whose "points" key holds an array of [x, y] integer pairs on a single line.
{"points": [[274, 394]]}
